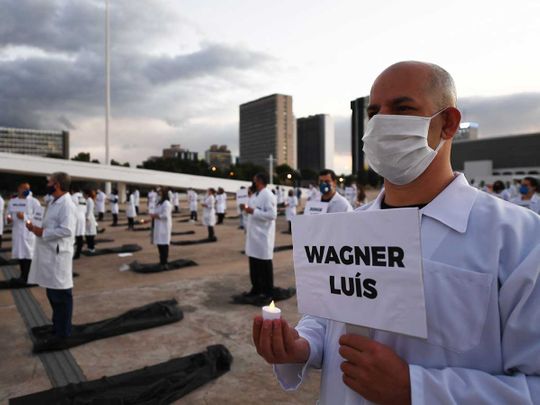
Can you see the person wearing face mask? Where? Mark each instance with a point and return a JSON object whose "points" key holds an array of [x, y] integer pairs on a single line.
{"points": [[101, 198], [90, 220], [52, 265], [260, 237], [528, 197], [115, 208], [192, 198], [209, 213], [21, 209], [498, 190], [290, 211], [480, 269], [221, 205], [162, 228], [80, 225], [327, 187], [131, 210]]}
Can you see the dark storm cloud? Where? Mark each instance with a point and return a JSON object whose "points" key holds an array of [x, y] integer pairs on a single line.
{"points": [[68, 81]]}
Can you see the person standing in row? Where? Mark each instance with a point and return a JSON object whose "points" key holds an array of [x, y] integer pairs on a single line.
{"points": [[20, 210], [115, 208], [260, 239], [101, 199], [137, 195], [290, 203], [176, 201], [528, 197], [193, 202], [209, 212], [152, 200], [131, 211], [52, 267], [2, 203], [80, 224], [91, 224], [162, 227], [221, 205], [328, 188]]}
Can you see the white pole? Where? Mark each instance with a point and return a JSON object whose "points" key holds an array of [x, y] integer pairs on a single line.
{"points": [[107, 92], [271, 168]]}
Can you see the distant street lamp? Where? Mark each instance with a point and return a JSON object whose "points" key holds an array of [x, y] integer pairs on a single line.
{"points": [[231, 174], [214, 168], [341, 179], [289, 176]]}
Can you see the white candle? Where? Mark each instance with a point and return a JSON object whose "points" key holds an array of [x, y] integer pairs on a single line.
{"points": [[271, 312]]}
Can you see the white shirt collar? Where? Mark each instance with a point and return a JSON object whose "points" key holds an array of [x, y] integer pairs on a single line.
{"points": [[452, 206]]}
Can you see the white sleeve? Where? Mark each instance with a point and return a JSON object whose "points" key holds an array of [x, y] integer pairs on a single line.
{"points": [[64, 228], [313, 329], [268, 211], [519, 303]]}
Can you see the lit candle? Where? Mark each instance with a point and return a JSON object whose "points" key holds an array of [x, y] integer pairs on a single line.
{"points": [[271, 312]]}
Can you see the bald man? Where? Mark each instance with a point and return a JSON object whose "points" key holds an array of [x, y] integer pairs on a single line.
{"points": [[481, 264]]}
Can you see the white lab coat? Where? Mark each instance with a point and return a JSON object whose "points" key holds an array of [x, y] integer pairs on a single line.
{"points": [[22, 245], [80, 223], [261, 231], [52, 264], [115, 208], [163, 224], [533, 204], [91, 224], [2, 219], [290, 212], [481, 262], [209, 210], [101, 198], [192, 200], [338, 203], [152, 202], [221, 203], [130, 207], [137, 195], [176, 199]]}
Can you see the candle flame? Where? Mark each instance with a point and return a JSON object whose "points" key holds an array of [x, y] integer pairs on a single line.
{"points": [[272, 305]]}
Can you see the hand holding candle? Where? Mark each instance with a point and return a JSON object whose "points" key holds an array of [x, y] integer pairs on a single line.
{"points": [[271, 312]]}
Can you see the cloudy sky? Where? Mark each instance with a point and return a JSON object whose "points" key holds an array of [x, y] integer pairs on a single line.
{"points": [[180, 68]]}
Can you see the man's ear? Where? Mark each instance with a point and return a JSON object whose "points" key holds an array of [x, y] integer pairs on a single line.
{"points": [[452, 118]]}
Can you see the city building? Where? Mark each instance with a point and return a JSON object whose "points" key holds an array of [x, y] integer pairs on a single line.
{"points": [[219, 156], [267, 127], [359, 121], [35, 142], [504, 157], [467, 131], [176, 151], [315, 142]]}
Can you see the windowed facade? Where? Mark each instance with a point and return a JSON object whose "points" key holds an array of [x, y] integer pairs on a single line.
{"points": [[34, 142]]}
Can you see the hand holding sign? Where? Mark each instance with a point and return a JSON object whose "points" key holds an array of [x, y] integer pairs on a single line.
{"points": [[278, 343], [374, 370]]}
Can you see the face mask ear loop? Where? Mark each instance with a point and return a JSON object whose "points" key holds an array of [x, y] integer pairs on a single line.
{"points": [[441, 143]]}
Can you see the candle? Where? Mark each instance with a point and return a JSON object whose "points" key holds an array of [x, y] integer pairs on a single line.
{"points": [[271, 312]]}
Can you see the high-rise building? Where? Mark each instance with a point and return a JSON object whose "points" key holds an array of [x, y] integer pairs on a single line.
{"points": [[176, 151], [315, 142], [219, 156], [35, 142], [267, 127], [358, 125], [467, 131]]}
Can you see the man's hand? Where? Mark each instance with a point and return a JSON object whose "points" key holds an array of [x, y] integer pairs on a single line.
{"points": [[374, 370], [278, 343], [20, 215], [249, 210]]}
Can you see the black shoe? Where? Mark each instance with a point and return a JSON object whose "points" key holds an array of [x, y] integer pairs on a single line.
{"points": [[164, 267], [76, 257]]}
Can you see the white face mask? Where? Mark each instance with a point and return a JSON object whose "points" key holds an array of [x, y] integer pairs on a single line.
{"points": [[396, 146]]}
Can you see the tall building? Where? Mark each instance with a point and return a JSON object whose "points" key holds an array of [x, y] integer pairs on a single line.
{"points": [[315, 142], [176, 151], [267, 127], [358, 125], [219, 156], [467, 131], [35, 142]]}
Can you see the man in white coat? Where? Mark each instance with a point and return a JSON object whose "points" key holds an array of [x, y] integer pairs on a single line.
{"points": [[137, 195], [260, 237], [80, 223], [131, 210], [176, 201], [481, 273], [221, 205], [91, 224], [528, 197], [290, 212], [328, 192], [101, 199], [52, 264], [209, 213], [2, 204], [193, 202], [115, 206], [152, 200], [20, 210], [162, 228]]}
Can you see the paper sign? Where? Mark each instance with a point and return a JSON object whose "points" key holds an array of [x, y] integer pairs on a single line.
{"points": [[362, 268], [315, 207], [37, 218], [242, 196], [18, 206]]}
